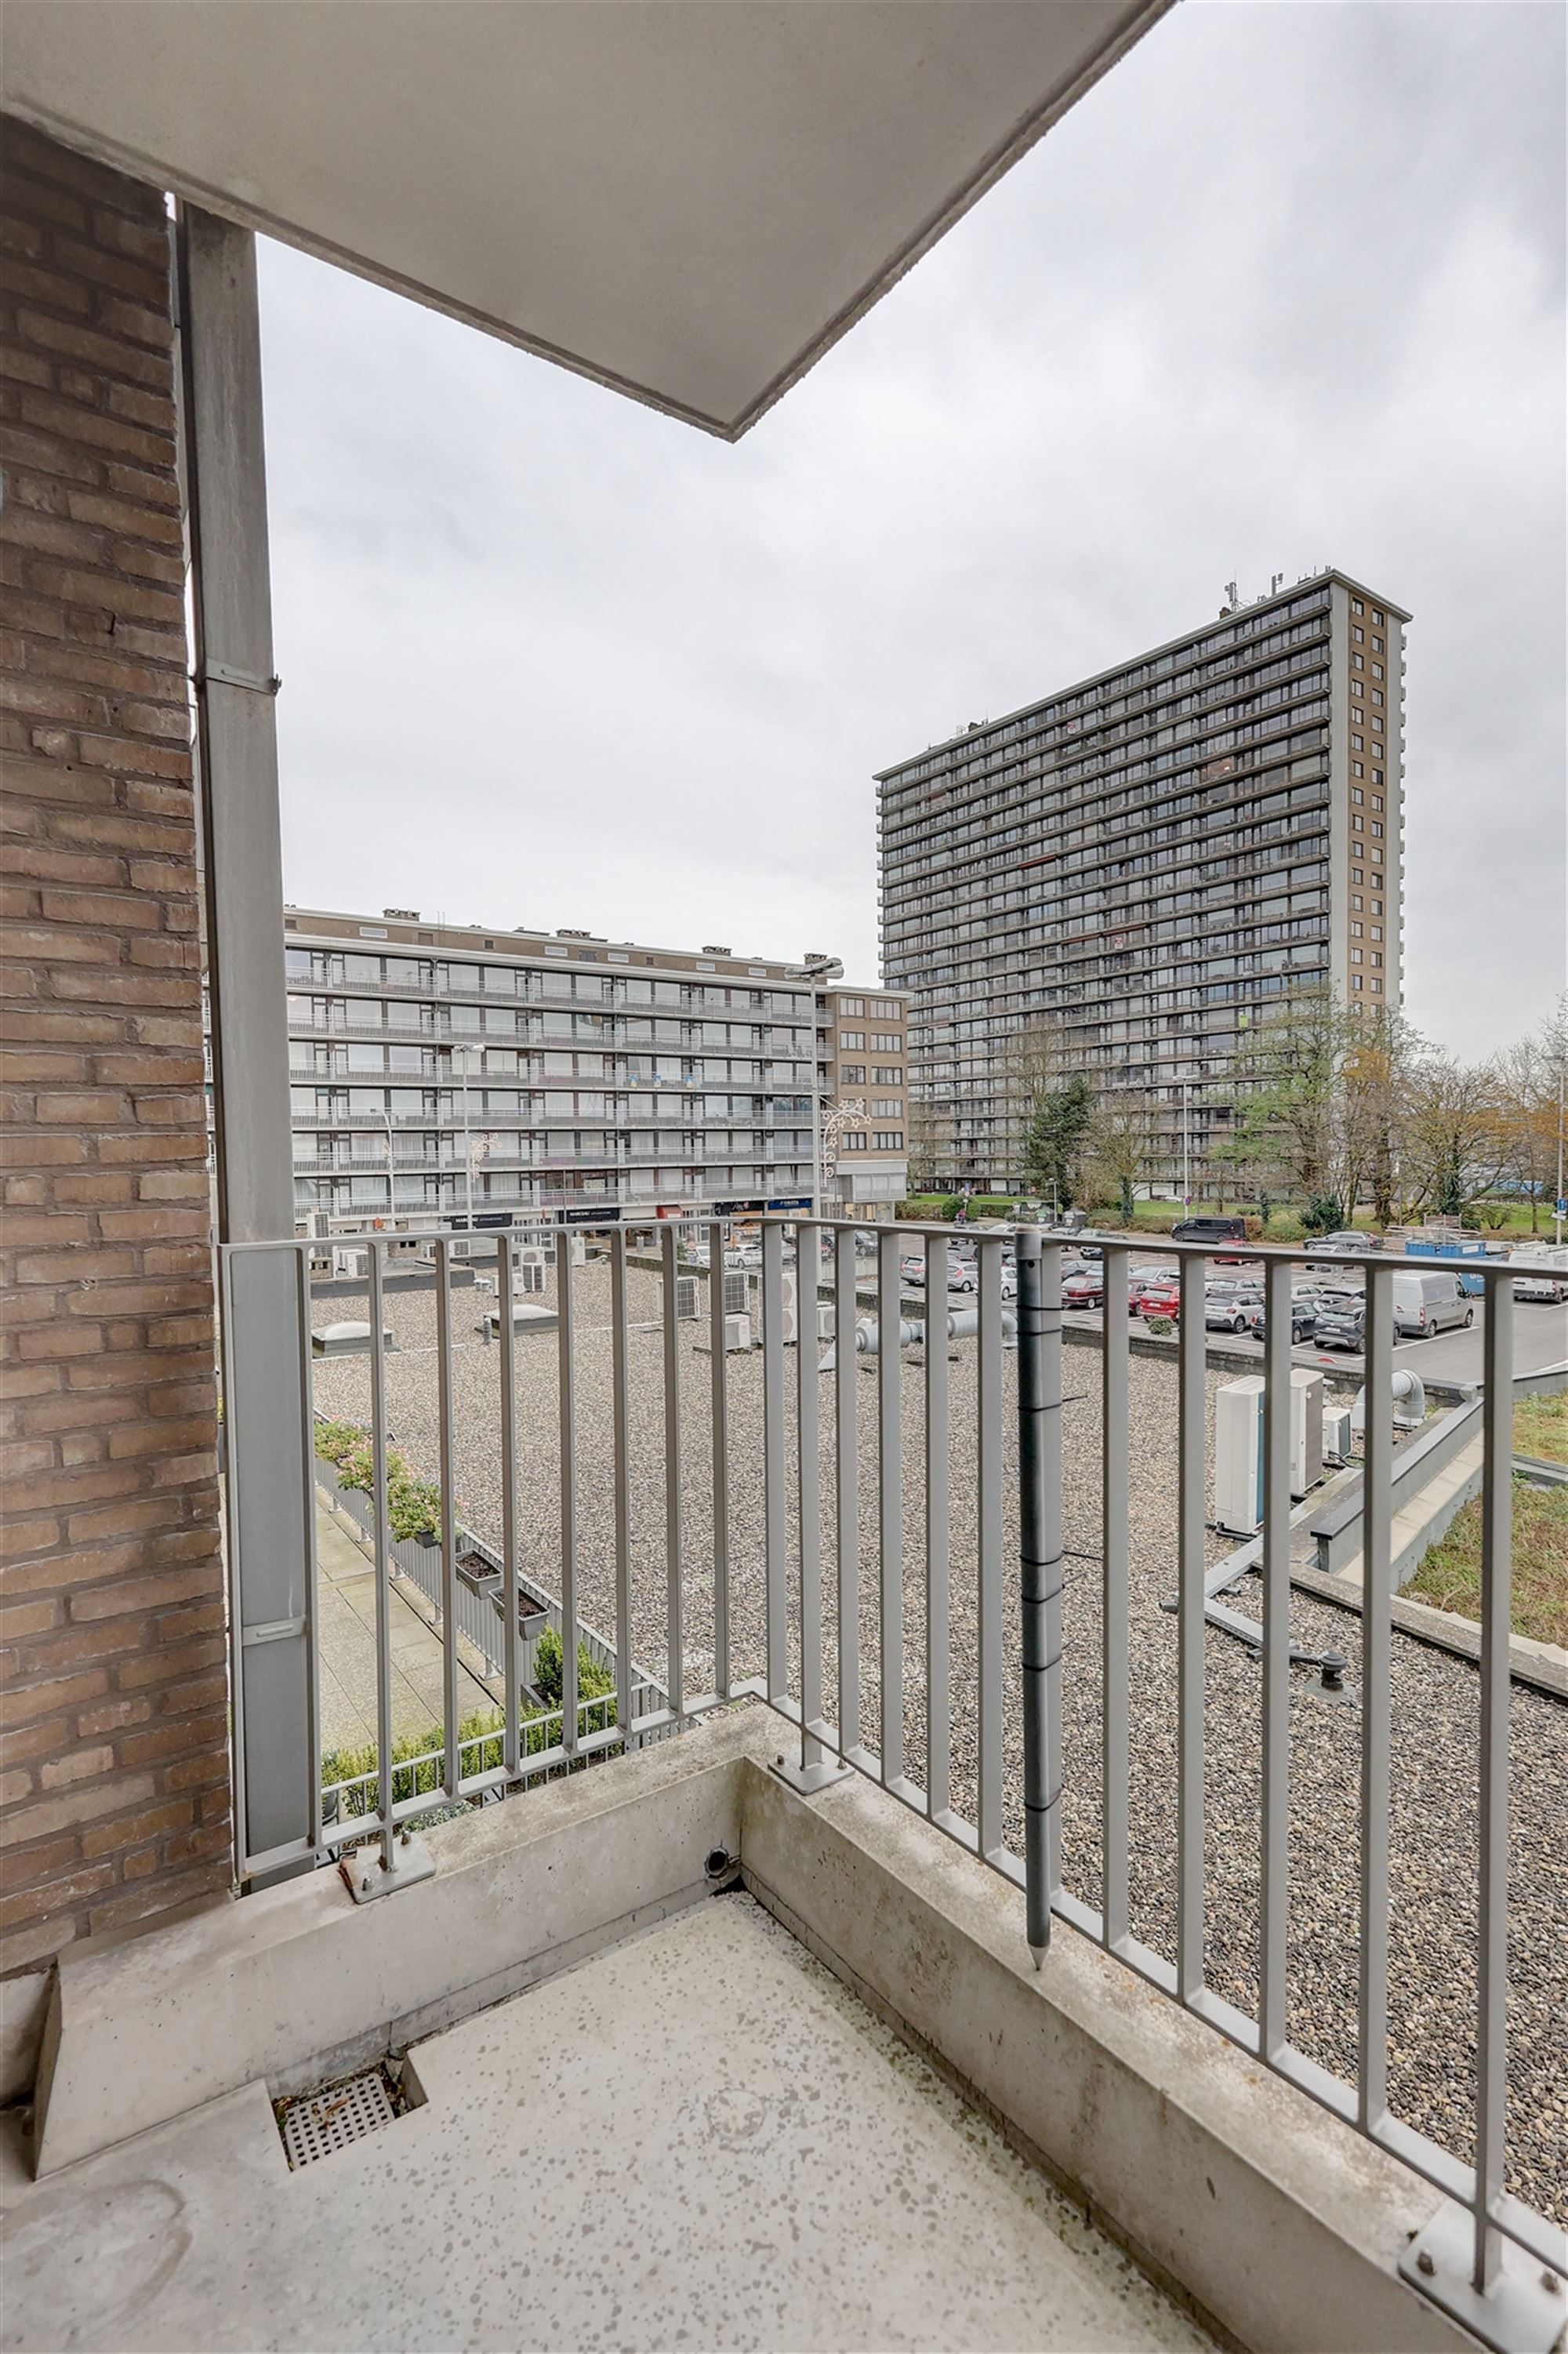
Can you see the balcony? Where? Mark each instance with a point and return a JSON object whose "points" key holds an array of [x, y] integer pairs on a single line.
{"points": [[1137, 1910]]}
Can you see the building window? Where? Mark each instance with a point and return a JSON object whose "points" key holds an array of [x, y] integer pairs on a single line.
{"points": [[1358, 662], [1377, 829], [851, 1075], [1356, 794], [1355, 903], [1357, 874], [1357, 821], [851, 1005], [853, 1141], [1359, 635], [1355, 931], [1355, 956], [889, 1140], [1357, 770], [1355, 980], [1377, 672], [1377, 934], [1377, 648], [1377, 617], [1377, 776], [850, 1038], [1377, 800], [886, 1042], [1356, 606]]}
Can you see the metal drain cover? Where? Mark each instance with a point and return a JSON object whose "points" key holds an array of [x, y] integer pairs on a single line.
{"points": [[315, 2124]]}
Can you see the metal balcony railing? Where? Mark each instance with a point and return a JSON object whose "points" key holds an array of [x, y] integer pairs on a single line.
{"points": [[850, 1696]]}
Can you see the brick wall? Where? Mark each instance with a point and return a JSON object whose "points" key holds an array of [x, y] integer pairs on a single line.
{"points": [[114, 1785]]}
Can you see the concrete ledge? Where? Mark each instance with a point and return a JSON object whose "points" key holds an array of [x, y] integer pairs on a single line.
{"points": [[298, 1982], [1276, 2220], [24, 2002]]}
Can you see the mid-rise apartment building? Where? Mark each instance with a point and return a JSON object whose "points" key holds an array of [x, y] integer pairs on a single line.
{"points": [[1146, 863], [862, 1087], [436, 1068]]}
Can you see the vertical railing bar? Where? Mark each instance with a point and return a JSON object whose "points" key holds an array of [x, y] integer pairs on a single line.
{"points": [[989, 1822], [1116, 1724], [620, 1413], [446, 1457], [808, 1456], [379, 1538], [939, 1538], [1274, 1858], [846, 1484], [312, 1581], [1496, 1560], [675, 1646], [565, 1343], [889, 1508], [511, 1598], [719, 1423], [1051, 1531], [1193, 1428], [775, 1517], [1039, 1569], [1377, 1593]]}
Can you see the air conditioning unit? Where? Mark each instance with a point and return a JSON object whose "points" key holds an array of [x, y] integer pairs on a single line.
{"points": [[736, 1292], [1239, 1456], [531, 1271], [1306, 1429], [790, 1327], [738, 1333], [1337, 1433], [827, 1320], [687, 1308], [351, 1262]]}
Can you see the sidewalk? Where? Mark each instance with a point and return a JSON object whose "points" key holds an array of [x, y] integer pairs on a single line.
{"points": [[346, 1591]]}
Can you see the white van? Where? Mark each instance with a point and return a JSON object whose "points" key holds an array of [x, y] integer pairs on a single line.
{"points": [[1429, 1303]]}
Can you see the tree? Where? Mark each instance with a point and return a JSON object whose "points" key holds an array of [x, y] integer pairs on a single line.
{"points": [[1379, 1073], [1054, 1139], [929, 1138], [1033, 1062], [1289, 1081], [1530, 1080], [1119, 1145], [1455, 1147]]}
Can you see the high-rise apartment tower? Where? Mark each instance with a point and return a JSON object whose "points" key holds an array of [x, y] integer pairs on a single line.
{"points": [[1146, 863]]}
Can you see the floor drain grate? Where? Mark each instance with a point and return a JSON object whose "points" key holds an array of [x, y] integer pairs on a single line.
{"points": [[315, 2124]]}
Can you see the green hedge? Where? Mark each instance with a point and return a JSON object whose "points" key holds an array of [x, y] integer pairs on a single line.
{"points": [[413, 1505], [411, 1779]]}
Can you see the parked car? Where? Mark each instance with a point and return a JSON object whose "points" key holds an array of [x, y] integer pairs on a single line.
{"points": [[1540, 1284], [1424, 1304], [1147, 1279], [1213, 1230], [1227, 1306], [1084, 1290], [1340, 1324], [962, 1275], [911, 1267], [1161, 1300], [1304, 1308]]}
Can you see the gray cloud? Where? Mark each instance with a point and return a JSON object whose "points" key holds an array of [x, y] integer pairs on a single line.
{"points": [[1285, 289]]}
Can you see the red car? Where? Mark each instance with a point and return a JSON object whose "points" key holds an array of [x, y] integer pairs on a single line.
{"points": [[1161, 1300]]}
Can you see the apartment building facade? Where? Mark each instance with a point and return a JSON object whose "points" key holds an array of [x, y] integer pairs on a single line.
{"points": [[863, 1089], [437, 1070], [1136, 869]]}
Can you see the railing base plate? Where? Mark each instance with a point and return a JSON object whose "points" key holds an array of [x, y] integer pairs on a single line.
{"points": [[1520, 2315], [368, 1878], [808, 1779]]}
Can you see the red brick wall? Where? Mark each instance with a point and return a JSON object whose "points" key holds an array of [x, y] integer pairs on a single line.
{"points": [[114, 1781]]}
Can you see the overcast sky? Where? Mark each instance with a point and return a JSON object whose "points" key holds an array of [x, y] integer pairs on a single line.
{"points": [[1284, 290]]}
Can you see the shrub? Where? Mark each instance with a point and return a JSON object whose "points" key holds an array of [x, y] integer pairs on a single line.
{"points": [[929, 1207], [1493, 1215], [1324, 1215], [336, 1439], [1162, 1326], [414, 1506], [418, 1762], [593, 1682]]}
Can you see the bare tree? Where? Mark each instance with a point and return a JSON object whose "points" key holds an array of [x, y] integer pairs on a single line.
{"points": [[1456, 1146], [1120, 1147], [1291, 1087], [930, 1142], [1529, 1079]]}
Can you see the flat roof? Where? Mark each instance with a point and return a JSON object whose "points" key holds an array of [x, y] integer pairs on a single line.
{"points": [[406, 930], [688, 203], [1149, 653]]}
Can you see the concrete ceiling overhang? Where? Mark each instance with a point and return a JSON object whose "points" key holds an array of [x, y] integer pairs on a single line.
{"points": [[688, 200]]}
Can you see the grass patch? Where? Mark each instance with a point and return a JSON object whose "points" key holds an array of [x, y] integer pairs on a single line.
{"points": [[1541, 1428], [1450, 1575]]}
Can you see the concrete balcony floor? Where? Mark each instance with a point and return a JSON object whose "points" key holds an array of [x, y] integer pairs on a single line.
{"points": [[698, 2137]]}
